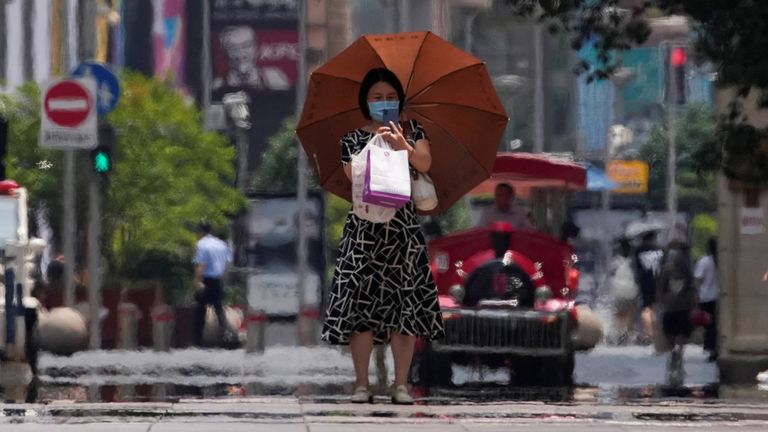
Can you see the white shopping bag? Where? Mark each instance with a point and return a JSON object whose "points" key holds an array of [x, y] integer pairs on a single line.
{"points": [[363, 210], [387, 177]]}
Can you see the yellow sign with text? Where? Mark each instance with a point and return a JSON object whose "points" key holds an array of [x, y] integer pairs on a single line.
{"points": [[631, 176]]}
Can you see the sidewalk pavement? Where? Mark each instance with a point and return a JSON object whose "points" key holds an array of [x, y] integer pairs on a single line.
{"points": [[291, 414]]}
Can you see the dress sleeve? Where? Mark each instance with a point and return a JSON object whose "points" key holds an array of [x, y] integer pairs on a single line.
{"points": [[347, 148], [417, 131]]}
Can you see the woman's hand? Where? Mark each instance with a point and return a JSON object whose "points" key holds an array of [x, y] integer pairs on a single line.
{"points": [[419, 155], [393, 135]]}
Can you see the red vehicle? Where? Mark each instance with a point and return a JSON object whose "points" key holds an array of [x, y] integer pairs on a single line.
{"points": [[508, 295]]}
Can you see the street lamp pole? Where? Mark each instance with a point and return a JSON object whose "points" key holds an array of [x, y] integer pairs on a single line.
{"points": [[304, 327], [672, 147], [538, 90]]}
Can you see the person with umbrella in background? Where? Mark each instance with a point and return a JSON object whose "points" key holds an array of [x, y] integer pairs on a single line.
{"points": [[677, 299], [451, 124], [648, 258]]}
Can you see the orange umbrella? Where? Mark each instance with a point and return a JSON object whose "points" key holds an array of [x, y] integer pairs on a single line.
{"points": [[447, 90]]}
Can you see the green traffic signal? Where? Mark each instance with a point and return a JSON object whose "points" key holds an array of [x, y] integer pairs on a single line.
{"points": [[101, 162]]}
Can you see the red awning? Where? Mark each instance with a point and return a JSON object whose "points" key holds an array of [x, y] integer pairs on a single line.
{"points": [[529, 170]]}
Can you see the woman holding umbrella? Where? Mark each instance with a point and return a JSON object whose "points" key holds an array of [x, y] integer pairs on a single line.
{"points": [[382, 286]]}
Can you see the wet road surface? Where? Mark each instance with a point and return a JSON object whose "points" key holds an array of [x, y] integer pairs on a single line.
{"points": [[607, 374], [618, 388]]}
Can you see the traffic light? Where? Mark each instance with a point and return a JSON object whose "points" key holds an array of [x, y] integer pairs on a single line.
{"points": [[677, 85], [101, 157], [102, 160]]}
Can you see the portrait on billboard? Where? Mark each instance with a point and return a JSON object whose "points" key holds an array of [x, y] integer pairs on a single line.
{"points": [[257, 60]]}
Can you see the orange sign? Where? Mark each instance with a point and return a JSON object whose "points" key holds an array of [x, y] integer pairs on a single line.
{"points": [[631, 176]]}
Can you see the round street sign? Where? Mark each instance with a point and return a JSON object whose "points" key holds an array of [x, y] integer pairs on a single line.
{"points": [[107, 85], [68, 104]]}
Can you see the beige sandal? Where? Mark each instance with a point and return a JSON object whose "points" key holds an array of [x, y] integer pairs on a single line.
{"points": [[362, 395], [401, 396]]}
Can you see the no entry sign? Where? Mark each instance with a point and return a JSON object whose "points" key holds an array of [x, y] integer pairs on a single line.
{"points": [[68, 117]]}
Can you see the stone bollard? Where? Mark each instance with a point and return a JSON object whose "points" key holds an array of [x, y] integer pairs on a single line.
{"points": [[62, 331], [256, 325], [589, 331], [163, 323], [307, 323], [128, 316]]}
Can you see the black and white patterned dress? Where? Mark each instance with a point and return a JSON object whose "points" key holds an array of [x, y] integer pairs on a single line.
{"points": [[382, 281]]}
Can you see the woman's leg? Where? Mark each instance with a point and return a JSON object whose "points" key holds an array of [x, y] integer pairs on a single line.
{"points": [[361, 345], [402, 351]]}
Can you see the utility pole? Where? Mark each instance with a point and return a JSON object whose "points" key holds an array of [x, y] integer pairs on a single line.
{"points": [[205, 76], [28, 61], [87, 51], [69, 195], [402, 15], [304, 324], [672, 102], [3, 37], [538, 89]]}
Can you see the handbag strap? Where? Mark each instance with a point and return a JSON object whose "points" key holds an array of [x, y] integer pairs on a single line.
{"points": [[408, 132]]}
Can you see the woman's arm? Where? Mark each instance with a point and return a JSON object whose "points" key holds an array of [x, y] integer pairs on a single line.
{"points": [[348, 170]]}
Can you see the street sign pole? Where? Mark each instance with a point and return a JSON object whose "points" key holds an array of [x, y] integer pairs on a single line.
{"points": [[88, 51], [94, 260], [107, 95], [68, 231]]}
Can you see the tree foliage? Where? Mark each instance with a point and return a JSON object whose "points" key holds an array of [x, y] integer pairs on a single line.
{"points": [[277, 172], [169, 174], [696, 184], [729, 34]]}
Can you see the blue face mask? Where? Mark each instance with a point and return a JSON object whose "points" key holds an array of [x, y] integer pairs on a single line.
{"points": [[377, 109]]}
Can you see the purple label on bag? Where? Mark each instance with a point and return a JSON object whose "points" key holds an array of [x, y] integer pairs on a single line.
{"points": [[379, 198]]}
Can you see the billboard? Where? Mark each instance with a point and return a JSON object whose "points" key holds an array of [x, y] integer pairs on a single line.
{"points": [[249, 58], [168, 30], [255, 48]]}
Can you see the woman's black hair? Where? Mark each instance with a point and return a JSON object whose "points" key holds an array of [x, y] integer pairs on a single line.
{"points": [[372, 77]]}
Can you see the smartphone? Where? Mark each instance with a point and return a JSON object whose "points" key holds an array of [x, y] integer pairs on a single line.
{"points": [[391, 115]]}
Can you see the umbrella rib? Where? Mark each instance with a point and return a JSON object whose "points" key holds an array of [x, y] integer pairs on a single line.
{"points": [[431, 104], [376, 52], [429, 85], [329, 116], [336, 77], [413, 69], [450, 135]]}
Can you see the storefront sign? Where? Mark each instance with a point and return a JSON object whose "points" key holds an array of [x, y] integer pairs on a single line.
{"points": [[631, 176]]}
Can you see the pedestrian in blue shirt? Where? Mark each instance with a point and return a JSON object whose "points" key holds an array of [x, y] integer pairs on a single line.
{"points": [[211, 259]]}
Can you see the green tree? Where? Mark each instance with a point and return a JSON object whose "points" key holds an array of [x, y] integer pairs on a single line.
{"points": [[39, 170], [696, 186], [277, 172], [169, 173]]}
